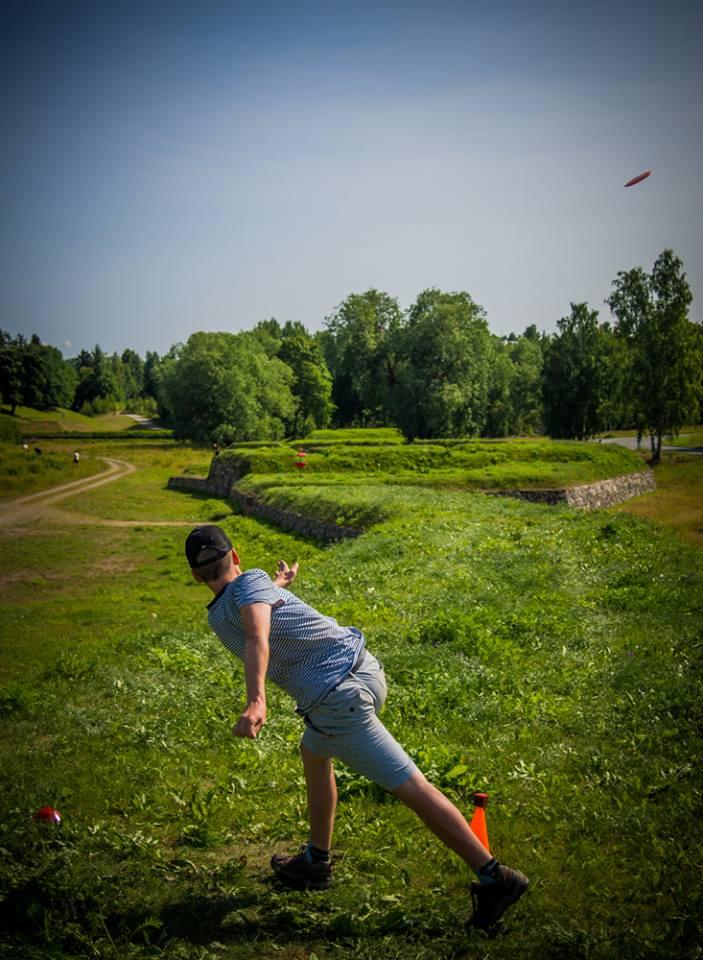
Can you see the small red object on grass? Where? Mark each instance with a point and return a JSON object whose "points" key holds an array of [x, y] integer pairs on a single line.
{"points": [[48, 815]]}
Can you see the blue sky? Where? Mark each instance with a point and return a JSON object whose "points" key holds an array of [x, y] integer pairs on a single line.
{"points": [[171, 167]]}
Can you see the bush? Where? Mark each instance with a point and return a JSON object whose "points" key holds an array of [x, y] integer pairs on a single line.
{"points": [[100, 406]]}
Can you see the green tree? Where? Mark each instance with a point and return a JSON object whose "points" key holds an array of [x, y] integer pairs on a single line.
{"points": [[34, 374], [359, 346], [223, 387], [500, 413], [573, 375], [269, 334], [312, 382], [11, 376], [99, 389], [48, 380], [651, 313], [131, 376], [616, 407], [527, 355], [152, 364], [444, 368]]}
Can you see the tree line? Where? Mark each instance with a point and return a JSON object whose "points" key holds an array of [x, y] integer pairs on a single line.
{"points": [[433, 370]]}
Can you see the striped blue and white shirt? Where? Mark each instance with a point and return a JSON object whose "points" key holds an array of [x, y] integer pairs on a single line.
{"points": [[309, 653]]}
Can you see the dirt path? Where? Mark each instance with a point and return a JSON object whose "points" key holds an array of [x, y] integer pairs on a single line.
{"points": [[42, 505]]}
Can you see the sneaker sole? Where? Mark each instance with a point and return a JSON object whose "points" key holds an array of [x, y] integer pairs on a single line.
{"points": [[300, 883], [511, 897]]}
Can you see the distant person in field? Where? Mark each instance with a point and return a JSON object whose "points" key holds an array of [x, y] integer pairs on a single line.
{"points": [[76, 457], [339, 688]]}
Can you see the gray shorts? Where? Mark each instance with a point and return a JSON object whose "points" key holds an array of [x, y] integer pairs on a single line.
{"points": [[345, 725]]}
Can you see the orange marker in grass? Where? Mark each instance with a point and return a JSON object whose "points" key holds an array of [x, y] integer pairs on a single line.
{"points": [[478, 821]]}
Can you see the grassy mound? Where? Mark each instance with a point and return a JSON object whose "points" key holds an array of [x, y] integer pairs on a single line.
{"points": [[476, 464]]}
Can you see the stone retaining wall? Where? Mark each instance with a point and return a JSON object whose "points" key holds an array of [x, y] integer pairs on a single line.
{"points": [[201, 484], [222, 476], [605, 493], [588, 496], [288, 520]]}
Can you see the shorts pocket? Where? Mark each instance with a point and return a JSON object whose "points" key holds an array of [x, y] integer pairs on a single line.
{"points": [[339, 712]]}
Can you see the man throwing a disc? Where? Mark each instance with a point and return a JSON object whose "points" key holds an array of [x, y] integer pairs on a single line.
{"points": [[339, 688]]}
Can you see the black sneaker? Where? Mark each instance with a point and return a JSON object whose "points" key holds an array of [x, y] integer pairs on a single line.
{"points": [[298, 871], [491, 900]]}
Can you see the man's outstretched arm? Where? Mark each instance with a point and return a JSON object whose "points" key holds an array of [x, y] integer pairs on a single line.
{"points": [[256, 619]]}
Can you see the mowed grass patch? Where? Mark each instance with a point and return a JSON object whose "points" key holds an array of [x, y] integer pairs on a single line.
{"points": [[687, 438], [546, 656], [144, 495], [678, 500], [37, 422], [70, 589]]}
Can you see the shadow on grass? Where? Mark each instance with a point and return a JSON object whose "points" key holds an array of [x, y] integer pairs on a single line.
{"points": [[276, 914], [197, 918], [37, 916]]}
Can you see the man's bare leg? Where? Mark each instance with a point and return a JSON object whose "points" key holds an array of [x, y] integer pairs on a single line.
{"points": [[443, 819], [322, 797]]}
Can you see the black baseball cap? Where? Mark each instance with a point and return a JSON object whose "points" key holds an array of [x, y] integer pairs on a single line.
{"points": [[205, 545]]}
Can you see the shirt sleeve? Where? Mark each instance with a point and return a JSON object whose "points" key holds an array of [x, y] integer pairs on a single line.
{"points": [[255, 586]]}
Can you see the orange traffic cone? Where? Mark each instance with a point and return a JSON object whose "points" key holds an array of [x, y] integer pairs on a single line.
{"points": [[478, 821]]}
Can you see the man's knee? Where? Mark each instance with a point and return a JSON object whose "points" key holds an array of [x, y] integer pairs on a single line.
{"points": [[313, 759], [416, 784]]}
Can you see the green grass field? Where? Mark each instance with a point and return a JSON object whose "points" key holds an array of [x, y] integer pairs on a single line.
{"points": [[549, 657], [687, 438], [677, 502], [24, 471], [51, 421]]}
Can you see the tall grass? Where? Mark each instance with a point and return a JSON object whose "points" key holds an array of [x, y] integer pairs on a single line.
{"points": [[549, 657], [27, 471]]}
